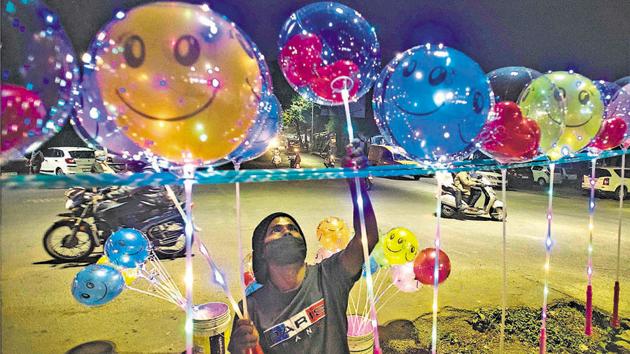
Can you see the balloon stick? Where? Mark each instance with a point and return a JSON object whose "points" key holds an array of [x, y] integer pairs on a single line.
{"points": [[614, 322], [436, 266], [588, 325], [345, 94], [548, 246], [189, 175], [504, 265]]}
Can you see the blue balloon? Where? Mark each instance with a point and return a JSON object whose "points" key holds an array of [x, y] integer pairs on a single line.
{"points": [[508, 83], [97, 284], [373, 267], [607, 90], [432, 101], [325, 41], [127, 248], [266, 127], [623, 81]]}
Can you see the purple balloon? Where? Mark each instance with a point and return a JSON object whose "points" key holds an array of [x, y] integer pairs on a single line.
{"points": [[619, 106]]}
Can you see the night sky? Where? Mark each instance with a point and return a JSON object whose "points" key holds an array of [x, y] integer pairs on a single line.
{"points": [[591, 37]]}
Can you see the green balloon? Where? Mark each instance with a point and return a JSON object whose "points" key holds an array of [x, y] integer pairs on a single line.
{"points": [[584, 112], [543, 102], [379, 255]]}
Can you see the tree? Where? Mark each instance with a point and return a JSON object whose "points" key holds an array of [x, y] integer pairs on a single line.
{"points": [[293, 117]]}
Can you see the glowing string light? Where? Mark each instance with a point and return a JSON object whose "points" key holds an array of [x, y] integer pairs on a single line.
{"points": [[504, 261], [345, 95], [189, 174], [588, 325], [614, 321], [436, 278], [548, 246]]}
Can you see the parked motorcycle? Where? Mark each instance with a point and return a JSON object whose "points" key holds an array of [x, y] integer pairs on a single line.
{"points": [[329, 161], [94, 214], [492, 206]]}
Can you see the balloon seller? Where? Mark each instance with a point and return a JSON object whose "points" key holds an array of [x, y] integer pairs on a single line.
{"points": [[302, 308]]}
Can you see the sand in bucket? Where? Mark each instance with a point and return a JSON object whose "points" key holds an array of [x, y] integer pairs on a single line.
{"points": [[360, 335], [211, 322]]}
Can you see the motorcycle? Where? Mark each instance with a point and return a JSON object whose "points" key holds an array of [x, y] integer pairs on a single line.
{"points": [[93, 215], [492, 206]]}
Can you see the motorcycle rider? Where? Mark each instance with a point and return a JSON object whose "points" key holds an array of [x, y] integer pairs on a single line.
{"points": [[100, 163], [276, 160], [468, 187]]}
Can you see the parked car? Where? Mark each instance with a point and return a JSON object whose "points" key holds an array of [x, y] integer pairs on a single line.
{"points": [[540, 175], [67, 160], [385, 155], [493, 178], [520, 177], [607, 182]]}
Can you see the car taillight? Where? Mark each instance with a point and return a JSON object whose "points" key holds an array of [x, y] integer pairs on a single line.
{"points": [[606, 181], [70, 160]]}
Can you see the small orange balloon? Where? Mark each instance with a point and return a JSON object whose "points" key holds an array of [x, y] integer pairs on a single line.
{"points": [[179, 79], [333, 233]]}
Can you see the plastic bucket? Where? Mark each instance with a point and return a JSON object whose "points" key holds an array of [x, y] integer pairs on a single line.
{"points": [[360, 335], [211, 322]]}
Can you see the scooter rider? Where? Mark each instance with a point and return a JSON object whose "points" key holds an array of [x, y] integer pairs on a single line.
{"points": [[467, 186]]}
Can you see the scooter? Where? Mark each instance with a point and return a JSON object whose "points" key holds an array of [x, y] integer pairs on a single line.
{"points": [[492, 207]]}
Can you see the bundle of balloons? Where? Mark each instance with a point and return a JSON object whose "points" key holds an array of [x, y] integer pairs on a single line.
{"points": [[128, 259]]}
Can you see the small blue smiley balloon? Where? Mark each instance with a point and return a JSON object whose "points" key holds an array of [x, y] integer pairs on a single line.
{"points": [[97, 284], [432, 101], [127, 248]]}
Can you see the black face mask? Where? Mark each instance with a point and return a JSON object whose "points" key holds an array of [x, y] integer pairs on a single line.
{"points": [[286, 250]]}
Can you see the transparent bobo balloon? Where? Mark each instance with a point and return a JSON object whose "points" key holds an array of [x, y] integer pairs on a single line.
{"points": [[507, 83], [39, 76], [432, 101], [619, 107], [322, 45], [542, 102], [178, 79]]}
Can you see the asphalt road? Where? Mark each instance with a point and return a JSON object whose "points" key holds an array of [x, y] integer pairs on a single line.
{"points": [[39, 314]]}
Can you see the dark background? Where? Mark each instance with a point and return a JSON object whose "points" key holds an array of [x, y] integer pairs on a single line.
{"points": [[591, 37]]}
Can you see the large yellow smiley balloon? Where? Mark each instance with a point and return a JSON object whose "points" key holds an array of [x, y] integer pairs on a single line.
{"points": [[400, 246], [180, 79]]}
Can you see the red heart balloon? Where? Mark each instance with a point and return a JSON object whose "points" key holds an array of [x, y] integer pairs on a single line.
{"points": [[322, 84], [248, 278], [300, 57], [424, 266], [23, 116], [510, 137], [610, 135]]}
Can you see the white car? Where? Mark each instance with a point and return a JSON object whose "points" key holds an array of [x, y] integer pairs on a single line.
{"points": [[540, 175], [67, 160], [608, 181]]}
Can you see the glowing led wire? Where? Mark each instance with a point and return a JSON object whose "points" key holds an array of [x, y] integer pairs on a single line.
{"points": [[548, 246], [436, 269], [189, 172], [239, 236], [614, 322], [504, 266], [588, 326], [364, 240]]}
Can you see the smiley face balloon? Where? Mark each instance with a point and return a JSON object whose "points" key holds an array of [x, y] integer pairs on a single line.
{"points": [[584, 112], [543, 102], [432, 101], [400, 246], [97, 284], [333, 233], [178, 79]]}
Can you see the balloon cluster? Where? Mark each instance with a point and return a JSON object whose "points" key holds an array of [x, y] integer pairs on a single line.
{"points": [[128, 258]]}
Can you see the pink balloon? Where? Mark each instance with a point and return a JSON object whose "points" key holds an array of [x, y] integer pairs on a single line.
{"points": [[611, 134], [300, 58], [23, 120], [323, 85], [404, 278], [619, 106]]}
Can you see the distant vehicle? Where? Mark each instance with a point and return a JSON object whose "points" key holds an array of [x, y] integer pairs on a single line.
{"points": [[67, 160], [519, 177], [386, 155], [493, 179], [541, 175], [608, 182]]}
